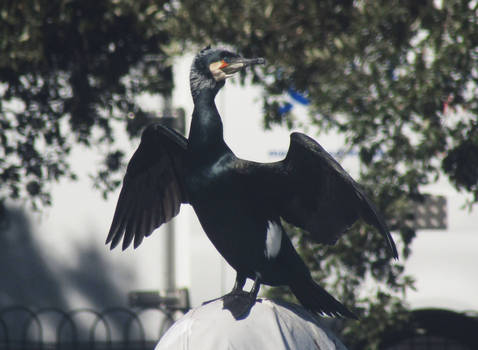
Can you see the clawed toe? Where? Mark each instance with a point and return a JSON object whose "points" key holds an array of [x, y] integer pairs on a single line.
{"points": [[238, 303], [210, 301]]}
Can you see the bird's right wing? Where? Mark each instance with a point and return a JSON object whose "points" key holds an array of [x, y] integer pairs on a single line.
{"points": [[153, 187]]}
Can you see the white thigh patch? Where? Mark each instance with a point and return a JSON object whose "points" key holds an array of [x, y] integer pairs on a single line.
{"points": [[273, 239]]}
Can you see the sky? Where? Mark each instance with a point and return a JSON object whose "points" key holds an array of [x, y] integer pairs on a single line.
{"points": [[443, 262]]}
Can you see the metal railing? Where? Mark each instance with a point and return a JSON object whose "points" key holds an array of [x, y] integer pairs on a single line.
{"points": [[52, 328]]}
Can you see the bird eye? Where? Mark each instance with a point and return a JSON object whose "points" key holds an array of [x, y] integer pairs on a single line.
{"points": [[225, 56]]}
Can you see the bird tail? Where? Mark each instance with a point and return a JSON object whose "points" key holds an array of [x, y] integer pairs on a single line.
{"points": [[314, 298]]}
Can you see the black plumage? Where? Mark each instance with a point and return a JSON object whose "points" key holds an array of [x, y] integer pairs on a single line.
{"points": [[153, 189], [240, 203]]}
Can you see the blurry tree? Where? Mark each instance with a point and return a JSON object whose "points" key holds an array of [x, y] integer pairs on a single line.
{"points": [[67, 69], [398, 79]]}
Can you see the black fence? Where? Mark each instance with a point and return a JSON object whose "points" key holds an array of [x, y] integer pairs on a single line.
{"points": [[52, 328]]}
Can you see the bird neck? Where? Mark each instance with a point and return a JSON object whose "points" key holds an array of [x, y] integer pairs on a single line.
{"points": [[206, 133]]}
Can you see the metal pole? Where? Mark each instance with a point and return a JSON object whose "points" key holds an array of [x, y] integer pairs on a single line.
{"points": [[169, 253], [169, 259]]}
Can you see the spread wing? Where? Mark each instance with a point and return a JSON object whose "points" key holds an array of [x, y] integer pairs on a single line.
{"points": [[319, 196], [153, 187]]}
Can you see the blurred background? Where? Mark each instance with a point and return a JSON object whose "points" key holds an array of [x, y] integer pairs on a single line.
{"points": [[388, 88]]}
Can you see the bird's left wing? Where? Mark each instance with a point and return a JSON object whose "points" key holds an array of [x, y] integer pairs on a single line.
{"points": [[153, 187], [309, 189]]}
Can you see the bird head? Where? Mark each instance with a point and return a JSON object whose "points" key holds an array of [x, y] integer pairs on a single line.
{"points": [[211, 67]]}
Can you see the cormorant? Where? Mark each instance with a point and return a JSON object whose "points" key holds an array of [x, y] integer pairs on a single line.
{"points": [[240, 203]]}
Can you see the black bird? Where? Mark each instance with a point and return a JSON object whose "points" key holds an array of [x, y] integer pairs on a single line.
{"points": [[240, 203]]}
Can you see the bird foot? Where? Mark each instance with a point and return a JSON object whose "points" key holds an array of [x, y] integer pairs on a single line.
{"points": [[239, 303]]}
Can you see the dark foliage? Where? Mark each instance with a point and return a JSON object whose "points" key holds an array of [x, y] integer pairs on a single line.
{"points": [[67, 70]]}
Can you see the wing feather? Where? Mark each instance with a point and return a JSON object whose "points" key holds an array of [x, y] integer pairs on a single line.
{"points": [[319, 196], [153, 187]]}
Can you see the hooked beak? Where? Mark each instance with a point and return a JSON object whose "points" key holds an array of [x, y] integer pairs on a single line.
{"points": [[222, 69], [239, 64]]}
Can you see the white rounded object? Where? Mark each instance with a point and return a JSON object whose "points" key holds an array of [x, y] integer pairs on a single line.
{"points": [[269, 325]]}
